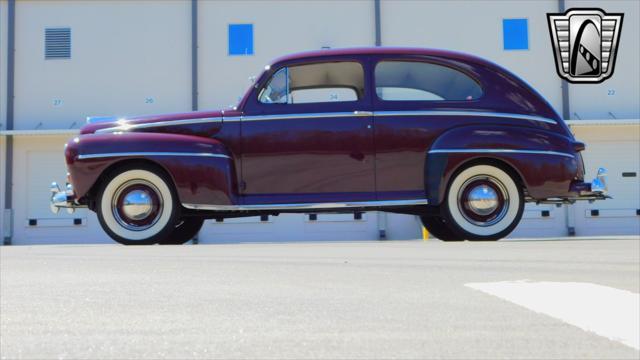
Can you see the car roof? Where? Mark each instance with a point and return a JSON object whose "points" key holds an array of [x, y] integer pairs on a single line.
{"points": [[379, 50]]}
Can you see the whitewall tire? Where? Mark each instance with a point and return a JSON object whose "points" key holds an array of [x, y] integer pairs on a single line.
{"points": [[136, 205], [483, 202]]}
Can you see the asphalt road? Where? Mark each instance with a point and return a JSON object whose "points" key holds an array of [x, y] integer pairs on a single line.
{"points": [[408, 299]]}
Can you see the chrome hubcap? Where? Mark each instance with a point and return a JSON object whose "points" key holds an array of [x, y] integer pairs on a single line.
{"points": [[137, 205], [483, 200]]}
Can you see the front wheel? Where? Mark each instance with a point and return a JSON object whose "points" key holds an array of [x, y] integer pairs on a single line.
{"points": [[136, 205], [483, 202]]}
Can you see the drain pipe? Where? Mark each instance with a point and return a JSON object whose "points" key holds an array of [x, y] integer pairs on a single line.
{"points": [[194, 71], [8, 185], [569, 210], [194, 55], [378, 33], [381, 217], [564, 85], [382, 225]]}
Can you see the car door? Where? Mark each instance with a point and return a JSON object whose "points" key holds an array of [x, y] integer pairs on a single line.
{"points": [[415, 101], [307, 136]]}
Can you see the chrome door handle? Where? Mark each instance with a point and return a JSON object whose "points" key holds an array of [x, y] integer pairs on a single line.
{"points": [[362, 113]]}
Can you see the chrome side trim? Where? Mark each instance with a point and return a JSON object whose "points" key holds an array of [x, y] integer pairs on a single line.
{"points": [[231, 118], [148, 153], [363, 113], [493, 151], [126, 127], [390, 113], [307, 206], [99, 119], [305, 116], [465, 113]]}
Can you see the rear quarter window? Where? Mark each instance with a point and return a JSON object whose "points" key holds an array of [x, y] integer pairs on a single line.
{"points": [[423, 81]]}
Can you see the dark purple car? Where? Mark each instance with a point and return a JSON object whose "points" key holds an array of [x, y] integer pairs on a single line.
{"points": [[453, 138]]}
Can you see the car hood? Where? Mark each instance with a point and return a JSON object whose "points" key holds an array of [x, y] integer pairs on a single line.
{"points": [[93, 127]]}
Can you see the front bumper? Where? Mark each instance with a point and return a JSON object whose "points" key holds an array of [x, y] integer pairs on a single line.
{"points": [[63, 199]]}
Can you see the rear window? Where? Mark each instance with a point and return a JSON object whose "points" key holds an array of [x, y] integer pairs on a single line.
{"points": [[422, 81]]}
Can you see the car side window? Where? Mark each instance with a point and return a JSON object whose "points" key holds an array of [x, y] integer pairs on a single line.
{"points": [[276, 91], [315, 83], [423, 81]]}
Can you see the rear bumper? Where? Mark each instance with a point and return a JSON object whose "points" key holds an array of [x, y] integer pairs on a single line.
{"points": [[596, 190], [63, 199], [580, 190]]}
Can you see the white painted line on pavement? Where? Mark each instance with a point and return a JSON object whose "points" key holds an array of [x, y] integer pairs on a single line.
{"points": [[606, 311]]}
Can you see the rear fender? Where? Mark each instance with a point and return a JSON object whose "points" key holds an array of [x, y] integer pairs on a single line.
{"points": [[201, 168], [544, 162]]}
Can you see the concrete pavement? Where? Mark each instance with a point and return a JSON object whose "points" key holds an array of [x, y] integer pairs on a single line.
{"points": [[407, 299]]}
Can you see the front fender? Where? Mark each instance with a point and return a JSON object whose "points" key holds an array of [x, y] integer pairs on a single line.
{"points": [[201, 168], [546, 162]]}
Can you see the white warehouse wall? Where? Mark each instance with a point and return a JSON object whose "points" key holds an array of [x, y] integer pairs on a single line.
{"points": [[279, 28], [122, 52]]}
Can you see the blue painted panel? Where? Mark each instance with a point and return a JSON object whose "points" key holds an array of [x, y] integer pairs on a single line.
{"points": [[515, 33], [240, 39]]}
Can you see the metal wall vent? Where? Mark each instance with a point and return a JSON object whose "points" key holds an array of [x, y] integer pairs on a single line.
{"points": [[57, 43]]}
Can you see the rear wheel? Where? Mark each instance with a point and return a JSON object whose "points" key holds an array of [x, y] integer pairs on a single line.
{"points": [[438, 228], [186, 230], [483, 202], [136, 205]]}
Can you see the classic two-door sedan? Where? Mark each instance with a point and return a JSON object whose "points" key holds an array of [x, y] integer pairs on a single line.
{"points": [[452, 138]]}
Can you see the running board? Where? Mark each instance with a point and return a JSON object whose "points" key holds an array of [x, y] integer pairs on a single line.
{"points": [[309, 206]]}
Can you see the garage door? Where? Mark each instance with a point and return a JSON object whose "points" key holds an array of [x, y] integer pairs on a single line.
{"points": [[617, 148]]}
